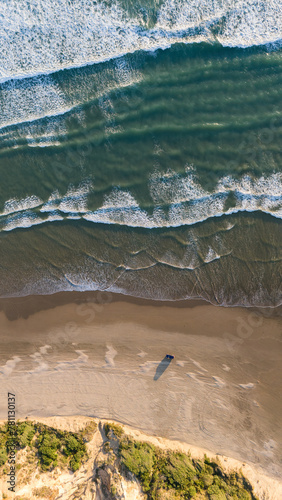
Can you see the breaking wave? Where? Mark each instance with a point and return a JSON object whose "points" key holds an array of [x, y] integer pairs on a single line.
{"points": [[37, 38], [176, 200]]}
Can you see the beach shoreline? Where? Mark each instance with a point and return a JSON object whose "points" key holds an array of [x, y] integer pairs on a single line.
{"points": [[105, 359], [25, 306]]}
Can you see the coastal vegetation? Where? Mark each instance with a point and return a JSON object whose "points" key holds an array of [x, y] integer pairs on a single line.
{"points": [[52, 447], [113, 430], [163, 474], [166, 474]]}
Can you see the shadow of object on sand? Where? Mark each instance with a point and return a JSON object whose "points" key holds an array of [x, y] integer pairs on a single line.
{"points": [[164, 364]]}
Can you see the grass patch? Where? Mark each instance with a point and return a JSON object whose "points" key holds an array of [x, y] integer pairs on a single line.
{"points": [[88, 431], [111, 429], [45, 492]]}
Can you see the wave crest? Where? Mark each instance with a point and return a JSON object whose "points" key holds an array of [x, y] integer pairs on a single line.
{"points": [[37, 38], [177, 200]]}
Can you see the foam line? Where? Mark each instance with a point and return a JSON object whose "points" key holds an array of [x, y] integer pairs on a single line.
{"points": [[37, 38], [188, 203]]}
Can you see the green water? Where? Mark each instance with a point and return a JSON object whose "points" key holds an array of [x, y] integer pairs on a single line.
{"points": [[154, 174]]}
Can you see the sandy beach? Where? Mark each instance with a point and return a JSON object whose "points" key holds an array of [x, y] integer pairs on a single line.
{"points": [[102, 356]]}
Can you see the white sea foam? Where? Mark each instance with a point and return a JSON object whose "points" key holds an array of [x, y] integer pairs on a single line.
{"points": [[24, 220], [37, 38], [38, 136], [8, 368], [211, 255], [110, 356], [242, 24], [190, 203], [74, 201], [173, 188], [44, 349], [26, 101], [188, 260], [15, 205], [254, 22], [170, 189], [119, 208], [19, 213], [247, 386], [194, 204], [218, 382]]}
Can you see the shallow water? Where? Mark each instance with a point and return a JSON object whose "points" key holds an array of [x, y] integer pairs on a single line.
{"points": [[153, 166]]}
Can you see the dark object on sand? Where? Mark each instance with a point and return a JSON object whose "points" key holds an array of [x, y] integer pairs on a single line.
{"points": [[164, 364]]}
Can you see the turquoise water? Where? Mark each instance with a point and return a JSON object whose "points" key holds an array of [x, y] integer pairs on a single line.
{"points": [[140, 149]]}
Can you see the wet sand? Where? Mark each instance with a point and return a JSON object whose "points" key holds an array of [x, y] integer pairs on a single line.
{"points": [[103, 357]]}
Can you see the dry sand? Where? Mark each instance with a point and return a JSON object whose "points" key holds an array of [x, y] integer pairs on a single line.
{"points": [[100, 356]]}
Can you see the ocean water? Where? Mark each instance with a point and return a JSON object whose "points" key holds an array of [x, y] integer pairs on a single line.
{"points": [[140, 148]]}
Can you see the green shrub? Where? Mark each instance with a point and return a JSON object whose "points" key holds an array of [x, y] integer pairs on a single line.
{"points": [[107, 447], [139, 458], [75, 464], [48, 457], [199, 485], [88, 432], [207, 469], [217, 481], [207, 480], [199, 465], [116, 429], [53, 445], [179, 471], [215, 493], [25, 434], [72, 445], [192, 491], [75, 448], [244, 495], [48, 444], [113, 490], [233, 478], [3, 456]]}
